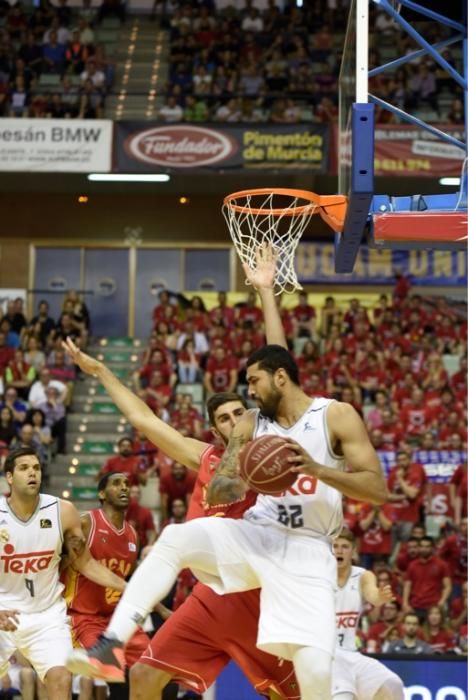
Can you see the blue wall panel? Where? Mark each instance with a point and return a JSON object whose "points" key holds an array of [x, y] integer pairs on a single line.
{"points": [[57, 270], [155, 269], [106, 273]]}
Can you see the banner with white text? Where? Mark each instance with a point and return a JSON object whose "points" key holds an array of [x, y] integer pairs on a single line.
{"points": [[315, 263], [55, 145], [142, 147]]}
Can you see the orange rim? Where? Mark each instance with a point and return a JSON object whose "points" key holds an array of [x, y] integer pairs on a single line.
{"points": [[332, 207]]}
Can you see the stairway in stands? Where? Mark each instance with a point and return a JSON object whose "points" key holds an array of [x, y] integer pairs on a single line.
{"points": [[141, 70], [94, 425]]}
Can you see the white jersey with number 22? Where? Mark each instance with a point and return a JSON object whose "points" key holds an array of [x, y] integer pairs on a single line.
{"points": [[309, 506]]}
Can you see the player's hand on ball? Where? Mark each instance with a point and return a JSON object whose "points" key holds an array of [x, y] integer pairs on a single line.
{"points": [[9, 620], [302, 462], [263, 276], [85, 362]]}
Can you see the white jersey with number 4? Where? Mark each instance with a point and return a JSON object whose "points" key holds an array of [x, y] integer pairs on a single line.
{"points": [[29, 556], [309, 506], [349, 605]]}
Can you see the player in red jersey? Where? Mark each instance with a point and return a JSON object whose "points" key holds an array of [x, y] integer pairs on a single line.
{"points": [[113, 542], [208, 630]]}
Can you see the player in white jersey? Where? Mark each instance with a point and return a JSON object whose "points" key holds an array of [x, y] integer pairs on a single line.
{"points": [[355, 676], [283, 545], [35, 528]]}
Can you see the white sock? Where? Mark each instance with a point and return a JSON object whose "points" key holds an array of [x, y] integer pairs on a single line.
{"points": [[179, 547]]}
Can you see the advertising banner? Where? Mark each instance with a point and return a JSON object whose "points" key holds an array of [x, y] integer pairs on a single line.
{"points": [[55, 145], [315, 263], [140, 147], [431, 678], [407, 150]]}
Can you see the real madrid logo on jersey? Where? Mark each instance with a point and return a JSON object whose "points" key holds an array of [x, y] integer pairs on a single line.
{"points": [[4, 535]]}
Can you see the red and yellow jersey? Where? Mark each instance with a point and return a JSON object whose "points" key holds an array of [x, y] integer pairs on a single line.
{"points": [[198, 506], [115, 549]]}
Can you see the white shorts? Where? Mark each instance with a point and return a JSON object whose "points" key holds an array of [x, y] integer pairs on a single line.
{"points": [[296, 574], [355, 673], [44, 639]]}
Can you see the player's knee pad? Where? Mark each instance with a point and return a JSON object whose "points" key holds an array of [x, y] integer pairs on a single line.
{"points": [[392, 689]]}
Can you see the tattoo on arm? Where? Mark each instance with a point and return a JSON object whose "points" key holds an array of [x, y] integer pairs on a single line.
{"points": [[226, 486]]}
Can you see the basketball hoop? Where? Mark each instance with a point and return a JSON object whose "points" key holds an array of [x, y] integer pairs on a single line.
{"points": [[277, 217]]}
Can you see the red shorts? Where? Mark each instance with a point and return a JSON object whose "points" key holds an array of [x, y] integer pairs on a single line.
{"points": [[86, 630], [209, 630]]}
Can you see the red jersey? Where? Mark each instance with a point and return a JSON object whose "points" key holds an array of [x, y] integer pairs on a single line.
{"points": [[220, 372], [416, 419], [141, 519], [407, 510], [454, 551], [376, 540], [177, 488], [426, 578], [130, 466], [442, 641], [115, 549], [198, 507]]}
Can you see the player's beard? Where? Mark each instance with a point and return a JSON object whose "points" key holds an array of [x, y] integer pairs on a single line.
{"points": [[269, 405]]}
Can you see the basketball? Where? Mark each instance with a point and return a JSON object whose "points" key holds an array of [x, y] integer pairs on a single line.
{"points": [[264, 465]]}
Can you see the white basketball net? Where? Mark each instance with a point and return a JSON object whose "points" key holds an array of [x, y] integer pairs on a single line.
{"points": [[266, 219]]}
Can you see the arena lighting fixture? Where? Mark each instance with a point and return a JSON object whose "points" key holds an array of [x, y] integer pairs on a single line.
{"points": [[130, 177], [449, 181]]}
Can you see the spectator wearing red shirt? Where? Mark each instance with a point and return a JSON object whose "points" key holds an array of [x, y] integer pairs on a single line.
{"points": [[407, 552], [427, 581], [459, 492], [401, 288], [304, 315], [178, 483], [458, 380], [165, 309], [417, 417], [309, 359], [452, 425], [392, 433], [380, 631], [125, 463], [222, 313], [406, 483], [187, 422], [454, 551], [6, 353], [249, 311], [459, 608], [371, 377], [221, 372], [157, 362], [375, 538], [177, 514], [140, 518], [158, 393], [437, 633]]}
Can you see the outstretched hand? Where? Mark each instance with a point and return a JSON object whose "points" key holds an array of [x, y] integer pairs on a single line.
{"points": [[85, 362], [263, 276]]}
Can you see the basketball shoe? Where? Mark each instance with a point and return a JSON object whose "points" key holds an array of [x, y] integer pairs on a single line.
{"points": [[105, 660]]}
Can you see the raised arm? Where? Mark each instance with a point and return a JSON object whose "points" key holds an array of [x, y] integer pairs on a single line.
{"points": [[365, 480], [263, 278], [185, 450], [226, 486]]}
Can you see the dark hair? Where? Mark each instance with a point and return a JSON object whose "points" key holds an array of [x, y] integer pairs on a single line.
{"points": [[9, 465], [427, 538], [274, 357], [125, 438], [32, 412], [104, 480], [217, 400]]}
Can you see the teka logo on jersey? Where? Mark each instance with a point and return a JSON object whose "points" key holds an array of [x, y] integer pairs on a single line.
{"points": [[25, 563], [180, 146], [346, 620]]}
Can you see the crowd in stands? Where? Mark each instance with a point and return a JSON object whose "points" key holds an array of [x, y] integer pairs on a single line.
{"points": [[387, 362], [51, 64], [276, 62], [36, 376]]}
